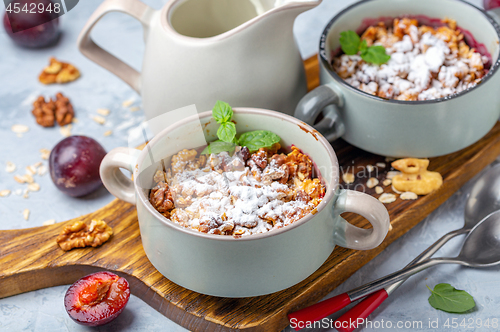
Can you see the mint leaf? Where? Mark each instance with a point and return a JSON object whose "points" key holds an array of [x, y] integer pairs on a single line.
{"points": [[226, 132], [363, 46], [254, 140], [349, 42], [222, 112], [375, 55], [218, 147], [446, 298]]}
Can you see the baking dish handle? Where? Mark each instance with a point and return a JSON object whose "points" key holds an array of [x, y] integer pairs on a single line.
{"points": [[349, 236], [312, 105], [113, 179]]}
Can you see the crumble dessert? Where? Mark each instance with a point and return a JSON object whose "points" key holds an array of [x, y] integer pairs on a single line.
{"points": [[426, 62], [238, 194]]}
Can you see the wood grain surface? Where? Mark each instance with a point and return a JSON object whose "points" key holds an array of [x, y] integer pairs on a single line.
{"points": [[30, 259]]}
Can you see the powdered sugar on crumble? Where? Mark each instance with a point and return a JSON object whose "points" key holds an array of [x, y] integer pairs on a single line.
{"points": [[237, 195], [425, 63]]}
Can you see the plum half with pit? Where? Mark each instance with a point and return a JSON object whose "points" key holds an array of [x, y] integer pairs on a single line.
{"points": [[97, 299], [74, 165], [36, 26]]}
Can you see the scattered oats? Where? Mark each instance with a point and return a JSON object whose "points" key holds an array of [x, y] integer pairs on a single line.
{"points": [[31, 170], [395, 190], [28, 178], [18, 192], [66, 130], [134, 109], [38, 164], [392, 174], [26, 214], [127, 103], [4, 193], [390, 226], [20, 129], [103, 111], [387, 198], [11, 167], [387, 182], [348, 177], [107, 133], [379, 190], [19, 179], [45, 154], [370, 168], [33, 187], [381, 165], [26, 193], [408, 195], [372, 182], [42, 170], [99, 119], [389, 159], [74, 120], [49, 222]]}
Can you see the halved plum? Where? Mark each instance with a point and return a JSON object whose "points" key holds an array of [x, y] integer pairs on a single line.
{"points": [[97, 299]]}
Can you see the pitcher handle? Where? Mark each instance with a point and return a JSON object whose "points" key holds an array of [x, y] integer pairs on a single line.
{"points": [[91, 50], [312, 104]]}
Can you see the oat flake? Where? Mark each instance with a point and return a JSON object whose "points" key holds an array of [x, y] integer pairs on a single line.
{"points": [[372, 182], [66, 130], [348, 177], [103, 111], [408, 195], [45, 154], [11, 167], [4, 193], [33, 187], [392, 174], [387, 198], [20, 129]]}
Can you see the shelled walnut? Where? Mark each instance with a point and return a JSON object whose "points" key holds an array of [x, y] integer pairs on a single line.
{"points": [[64, 110], [58, 72], [44, 112], [60, 110], [80, 235]]}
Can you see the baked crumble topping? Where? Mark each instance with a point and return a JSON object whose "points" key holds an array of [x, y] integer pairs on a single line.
{"points": [[426, 62]]}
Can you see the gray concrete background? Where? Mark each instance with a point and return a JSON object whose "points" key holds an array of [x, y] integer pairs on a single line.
{"points": [[43, 310]]}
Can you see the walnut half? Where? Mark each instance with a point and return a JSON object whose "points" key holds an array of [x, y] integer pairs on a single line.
{"points": [[80, 235]]}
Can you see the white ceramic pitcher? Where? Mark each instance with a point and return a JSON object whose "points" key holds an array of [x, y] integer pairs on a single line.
{"points": [[199, 51]]}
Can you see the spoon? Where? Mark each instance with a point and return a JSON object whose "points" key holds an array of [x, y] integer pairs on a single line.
{"points": [[483, 199], [481, 248]]}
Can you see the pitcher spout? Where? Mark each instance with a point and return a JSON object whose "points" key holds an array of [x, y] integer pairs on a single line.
{"points": [[221, 18], [263, 6]]}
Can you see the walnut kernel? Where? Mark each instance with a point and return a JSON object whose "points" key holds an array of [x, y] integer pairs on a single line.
{"points": [[80, 235]]}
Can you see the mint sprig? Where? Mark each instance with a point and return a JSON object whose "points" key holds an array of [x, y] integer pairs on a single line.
{"points": [[222, 112], [447, 298], [253, 140], [352, 44]]}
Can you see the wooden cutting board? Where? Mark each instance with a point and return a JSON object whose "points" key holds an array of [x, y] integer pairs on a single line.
{"points": [[30, 259]]}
